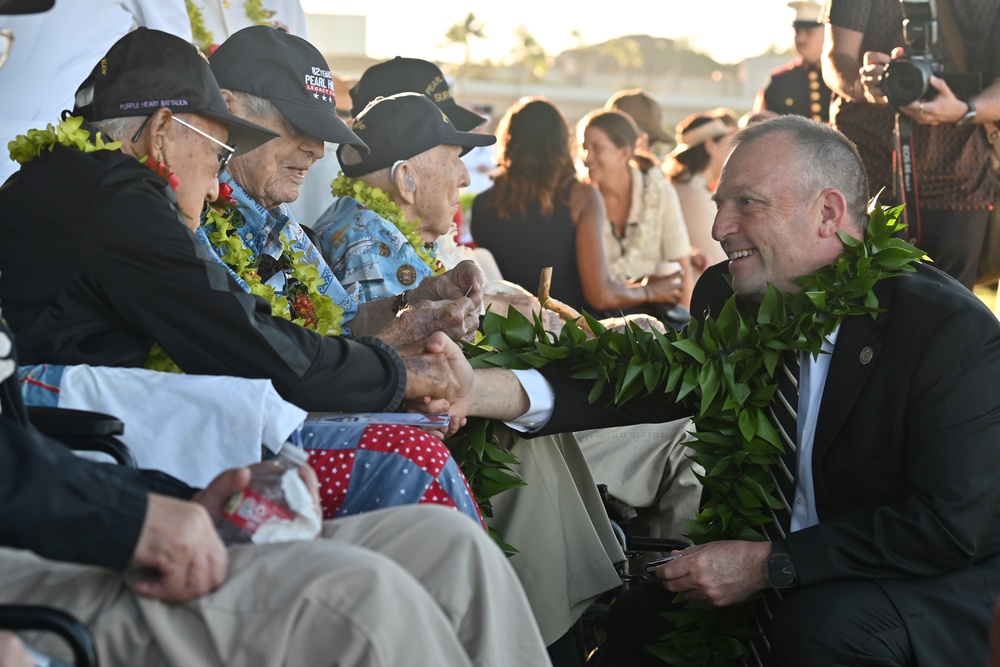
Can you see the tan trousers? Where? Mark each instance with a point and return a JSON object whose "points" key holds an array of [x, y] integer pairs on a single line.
{"points": [[415, 585], [645, 465], [567, 547]]}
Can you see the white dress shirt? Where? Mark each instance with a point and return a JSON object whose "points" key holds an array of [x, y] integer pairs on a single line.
{"points": [[812, 380]]}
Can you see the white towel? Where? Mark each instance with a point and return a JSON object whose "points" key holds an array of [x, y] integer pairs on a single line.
{"points": [[190, 426]]}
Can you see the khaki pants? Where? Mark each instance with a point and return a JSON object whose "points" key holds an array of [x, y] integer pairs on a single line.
{"points": [[416, 585], [567, 547], [647, 465]]}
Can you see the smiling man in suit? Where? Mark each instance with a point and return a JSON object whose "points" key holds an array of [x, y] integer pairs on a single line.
{"points": [[891, 552]]}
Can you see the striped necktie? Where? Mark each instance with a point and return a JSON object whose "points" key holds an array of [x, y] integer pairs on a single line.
{"points": [[784, 410]]}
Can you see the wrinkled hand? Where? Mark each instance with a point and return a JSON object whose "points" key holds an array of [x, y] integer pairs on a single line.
{"points": [[437, 373], [465, 280], [218, 492], [872, 68], [179, 555], [415, 323], [720, 573]]}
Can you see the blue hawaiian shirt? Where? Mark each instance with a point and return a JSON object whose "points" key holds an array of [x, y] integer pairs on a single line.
{"points": [[262, 234], [365, 249]]}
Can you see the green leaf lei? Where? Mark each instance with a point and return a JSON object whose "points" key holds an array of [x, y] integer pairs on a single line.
{"points": [[379, 202], [725, 370], [28, 146], [204, 37], [304, 304]]}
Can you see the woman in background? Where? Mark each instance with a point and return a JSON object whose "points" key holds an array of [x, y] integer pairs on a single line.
{"points": [[694, 168], [539, 214], [645, 235]]}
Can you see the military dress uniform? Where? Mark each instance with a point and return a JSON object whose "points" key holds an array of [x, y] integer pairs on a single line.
{"points": [[797, 88]]}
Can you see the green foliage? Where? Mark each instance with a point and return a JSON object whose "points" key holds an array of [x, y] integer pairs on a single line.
{"points": [[725, 370], [28, 146]]}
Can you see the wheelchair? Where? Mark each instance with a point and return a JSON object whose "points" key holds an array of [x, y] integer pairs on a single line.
{"points": [[80, 431]]}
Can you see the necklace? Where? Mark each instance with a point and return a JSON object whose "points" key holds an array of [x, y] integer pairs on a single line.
{"points": [[301, 302], [724, 368], [28, 146], [203, 36], [379, 202]]}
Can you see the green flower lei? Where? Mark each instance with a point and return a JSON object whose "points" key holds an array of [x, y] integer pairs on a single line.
{"points": [[725, 369], [308, 307], [28, 146], [379, 202], [204, 38]]}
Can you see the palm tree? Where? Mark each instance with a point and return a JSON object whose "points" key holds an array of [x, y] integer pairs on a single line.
{"points": [[462, 33], [529, 54]]}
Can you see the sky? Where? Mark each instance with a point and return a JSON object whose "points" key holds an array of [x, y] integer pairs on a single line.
{"points": [[727, 30]]}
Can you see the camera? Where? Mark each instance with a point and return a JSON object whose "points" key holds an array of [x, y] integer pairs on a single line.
{"points": [[906, 80]]}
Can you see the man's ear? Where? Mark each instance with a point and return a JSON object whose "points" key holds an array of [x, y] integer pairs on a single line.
{"points": [[227, 97], [405, 179], [157, 134], [833, 212]]}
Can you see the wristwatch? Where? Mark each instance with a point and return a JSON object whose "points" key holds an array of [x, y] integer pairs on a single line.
{"points": [[969, 115], [400, 302], [779, 568]]}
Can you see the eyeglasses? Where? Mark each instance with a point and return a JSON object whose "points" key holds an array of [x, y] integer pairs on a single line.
{"points": [[6, 43], [224, 158]]}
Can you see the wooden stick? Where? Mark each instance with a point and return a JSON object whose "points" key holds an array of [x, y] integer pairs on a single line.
{"points": [[565, 311]]}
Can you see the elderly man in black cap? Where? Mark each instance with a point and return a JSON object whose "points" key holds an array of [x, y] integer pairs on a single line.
{"points": [[396, 201], [124, 287], [797, 87], [283, 83], [120, 269]]}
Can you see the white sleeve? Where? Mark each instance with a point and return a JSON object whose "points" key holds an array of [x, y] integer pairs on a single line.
{"points": [[541, 401]]}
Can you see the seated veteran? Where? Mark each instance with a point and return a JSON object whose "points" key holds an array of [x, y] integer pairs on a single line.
{"points": [[136, 312], [283, 83], [396, 200], [123, 269], [134, 555]]}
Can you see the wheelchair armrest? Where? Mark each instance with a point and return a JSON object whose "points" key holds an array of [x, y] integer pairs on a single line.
{"points": [[59, 422], [32, 617], [83, 431]]}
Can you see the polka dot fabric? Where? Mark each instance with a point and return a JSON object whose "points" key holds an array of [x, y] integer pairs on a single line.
{"points": [[363, 467]]}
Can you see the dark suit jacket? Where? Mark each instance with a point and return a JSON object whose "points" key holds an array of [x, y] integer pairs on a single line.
{"points": [[906, 460]]}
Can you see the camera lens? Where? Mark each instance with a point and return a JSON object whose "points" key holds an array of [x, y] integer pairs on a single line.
{"points": [[905, 82]]}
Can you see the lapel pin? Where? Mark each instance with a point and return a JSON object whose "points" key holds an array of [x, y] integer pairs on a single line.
{"points": [[866, 354]]}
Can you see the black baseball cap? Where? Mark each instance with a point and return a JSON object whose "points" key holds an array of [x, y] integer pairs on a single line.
{"points": [[149, 69], [401, 126], [411, 75], [288, 71]]}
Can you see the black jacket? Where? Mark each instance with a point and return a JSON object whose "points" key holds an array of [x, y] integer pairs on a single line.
{"points": [[906, 460], [97, 265], [63, 507]]}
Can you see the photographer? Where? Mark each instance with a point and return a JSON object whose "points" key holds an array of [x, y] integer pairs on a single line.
{"points": [[950, 152]]}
